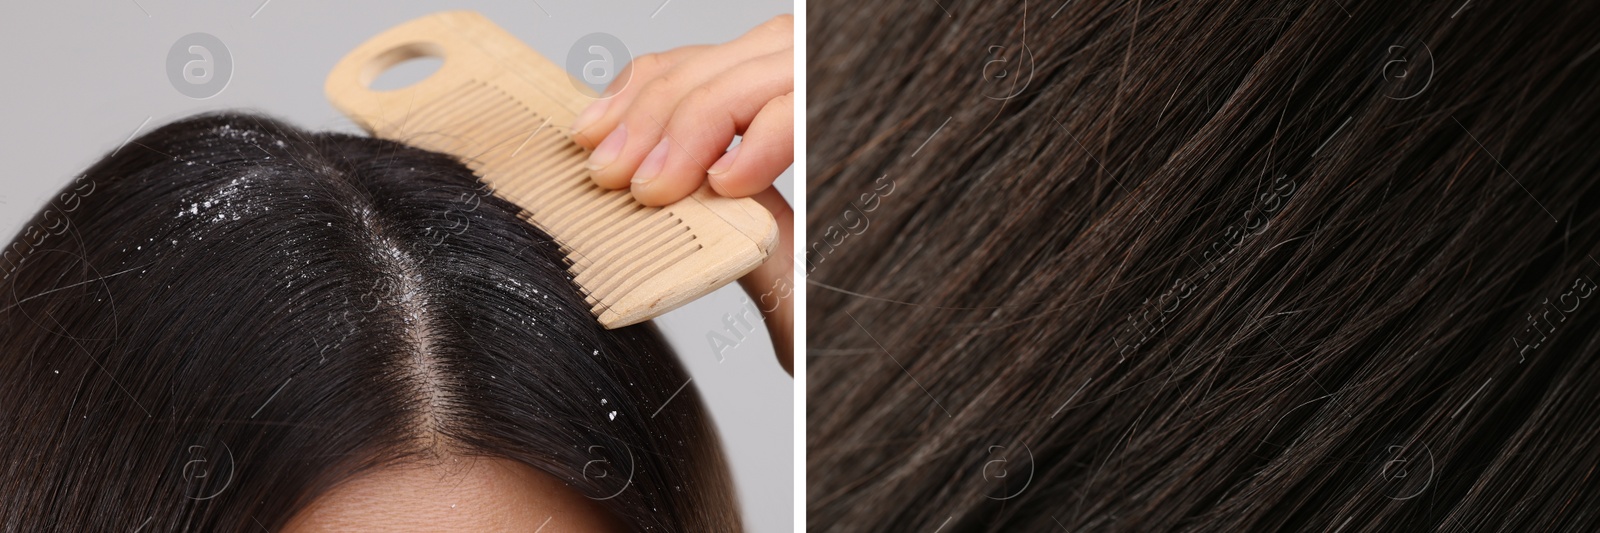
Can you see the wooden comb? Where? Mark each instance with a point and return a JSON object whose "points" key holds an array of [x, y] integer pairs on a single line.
{"points": [[506, 111]]}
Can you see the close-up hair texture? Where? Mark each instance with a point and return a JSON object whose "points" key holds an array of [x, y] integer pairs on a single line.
{"points": [[229, 316], [1115, 265]]}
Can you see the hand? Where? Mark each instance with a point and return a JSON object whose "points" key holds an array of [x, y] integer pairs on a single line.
{"points": [[663, 128], [771, 285], [665, 122]]}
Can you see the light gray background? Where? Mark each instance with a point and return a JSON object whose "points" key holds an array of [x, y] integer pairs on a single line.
{"points": [[81, 77]]}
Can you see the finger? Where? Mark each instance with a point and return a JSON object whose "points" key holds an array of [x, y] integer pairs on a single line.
{"points": [[601, 117], [615, 160], [766, 150], [705, 121]]}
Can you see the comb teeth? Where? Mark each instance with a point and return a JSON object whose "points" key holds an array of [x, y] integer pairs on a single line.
{"points": [[526, 161], [506, 111]]}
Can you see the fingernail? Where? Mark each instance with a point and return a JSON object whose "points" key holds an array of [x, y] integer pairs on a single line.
{"points": [[609, 148], [725, 162], [652, 163], [591, 114]]}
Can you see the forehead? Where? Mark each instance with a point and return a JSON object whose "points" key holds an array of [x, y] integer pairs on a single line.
{"points": [[454, 494]]}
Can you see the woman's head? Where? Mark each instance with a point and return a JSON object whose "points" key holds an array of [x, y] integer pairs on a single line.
{"points": [[230, 321]]}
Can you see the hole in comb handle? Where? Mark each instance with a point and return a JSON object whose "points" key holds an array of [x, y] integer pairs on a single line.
{"points": [[402, 66]]}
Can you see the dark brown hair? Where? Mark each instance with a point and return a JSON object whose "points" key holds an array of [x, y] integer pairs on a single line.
{"points": [[1203, 266], [229, 316]]}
